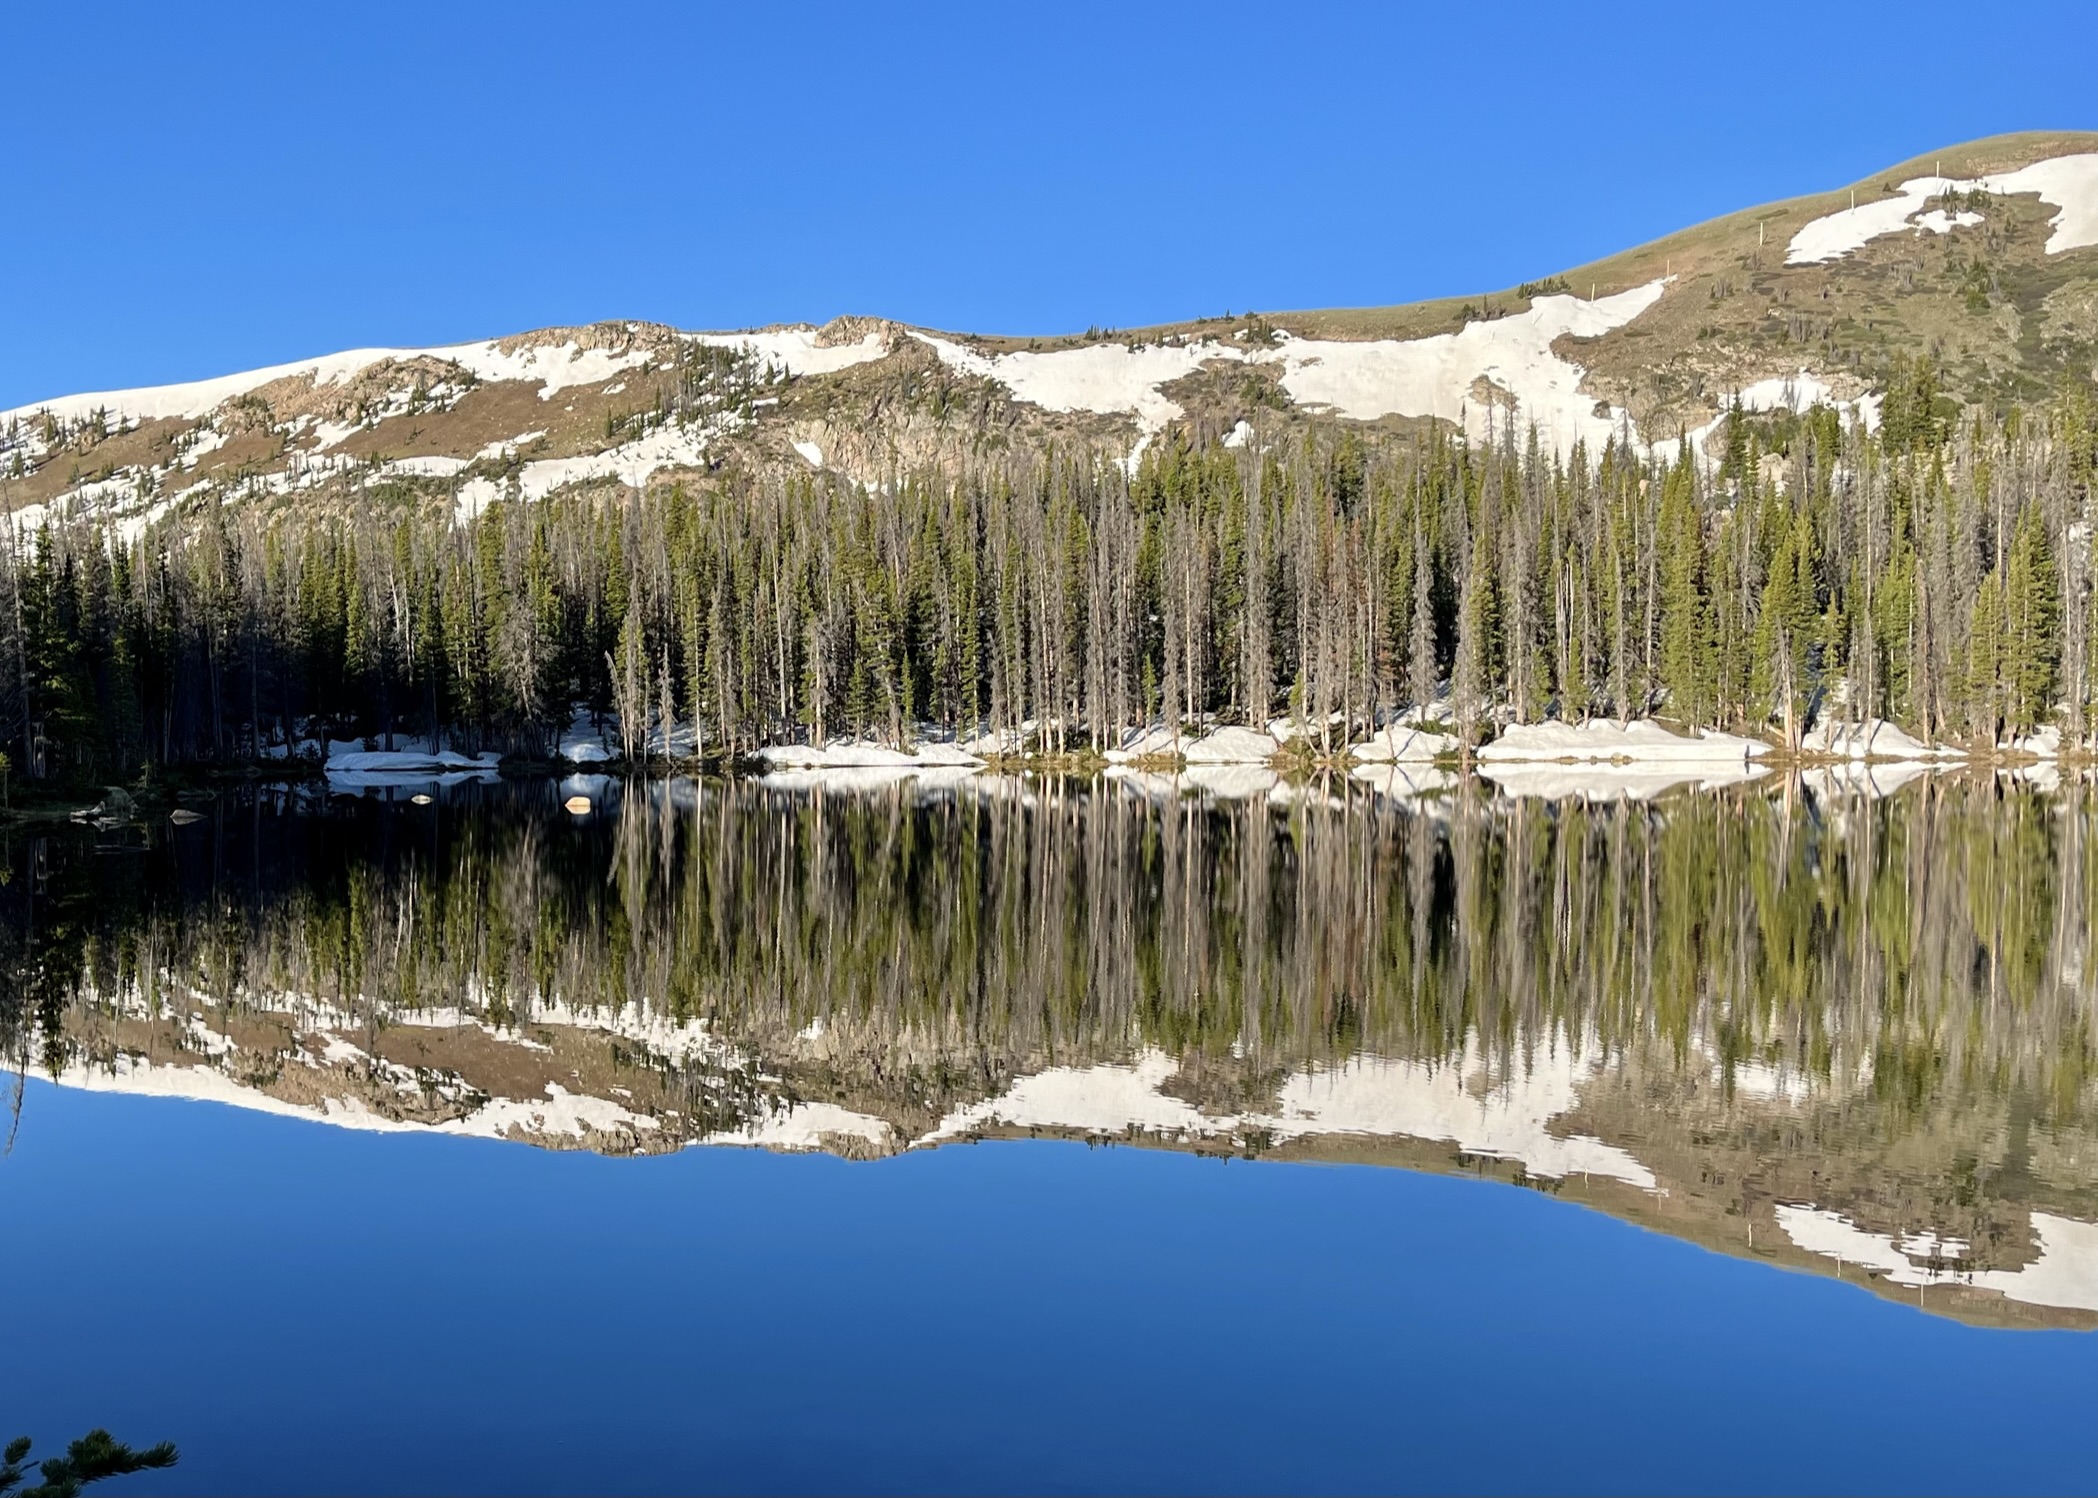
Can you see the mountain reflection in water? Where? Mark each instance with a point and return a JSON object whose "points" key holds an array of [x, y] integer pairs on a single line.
{"points": [[1798, 1019]]}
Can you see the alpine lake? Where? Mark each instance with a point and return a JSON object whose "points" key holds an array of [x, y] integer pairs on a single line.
{"points": [[976, 1132]]}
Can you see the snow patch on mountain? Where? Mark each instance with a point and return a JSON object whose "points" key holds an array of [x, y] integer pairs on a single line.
{"points": [[1435, 376], [1798, 393], [2071, 184], [797, 351], [632, 463], [194, 398], [1109, 378], [553, 367], [2068, 182]]}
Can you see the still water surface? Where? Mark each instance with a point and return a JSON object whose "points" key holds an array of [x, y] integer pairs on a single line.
{"points": [[1063, 1135]]}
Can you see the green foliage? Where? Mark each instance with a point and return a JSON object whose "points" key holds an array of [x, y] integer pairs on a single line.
{"points": [[95, 1457], [1914, 417]]}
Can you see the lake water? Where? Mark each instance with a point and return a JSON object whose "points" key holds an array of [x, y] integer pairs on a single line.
{"points": [[1061, 1134]]}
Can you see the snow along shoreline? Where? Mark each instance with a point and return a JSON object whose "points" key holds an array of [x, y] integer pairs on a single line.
{"points": [[1599, 759]]}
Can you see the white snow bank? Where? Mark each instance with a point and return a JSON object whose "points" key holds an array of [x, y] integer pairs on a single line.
{"points": [[811, 454], [1284, 730], [553, 366], [2065, 1274], [1102, 1099], [575, 1114], [2046, 744], [474, 496], [1001, 740], [1464, 1103], [343, 756], [1874, 738], [1144, 743], [1399, 744], [1938, 221], [2068, 182], [581, 743], [1231, 746], [1602, 739]]}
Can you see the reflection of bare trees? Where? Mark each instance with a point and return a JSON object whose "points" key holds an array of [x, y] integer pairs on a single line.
{"points": [[1914, 948]]}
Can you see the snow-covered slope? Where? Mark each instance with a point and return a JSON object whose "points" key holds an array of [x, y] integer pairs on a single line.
{"points": [[549, 368], [2069, 183], [1651, 347], [1484, 374]]}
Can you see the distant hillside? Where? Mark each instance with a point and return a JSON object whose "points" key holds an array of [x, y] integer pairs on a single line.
{"points": [[1982, 258]]}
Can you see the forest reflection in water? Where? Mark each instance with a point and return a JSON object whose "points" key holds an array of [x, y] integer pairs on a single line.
{"points": [[1841, 1031]]}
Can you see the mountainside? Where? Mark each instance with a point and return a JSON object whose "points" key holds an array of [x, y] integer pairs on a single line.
{"points": [[1981, 258]]}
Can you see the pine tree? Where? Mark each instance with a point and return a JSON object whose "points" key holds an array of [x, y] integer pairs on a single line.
{"points": [[1687, 667]]}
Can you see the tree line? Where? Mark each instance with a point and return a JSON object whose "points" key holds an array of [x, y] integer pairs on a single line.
{"points": [[1935, 572]]}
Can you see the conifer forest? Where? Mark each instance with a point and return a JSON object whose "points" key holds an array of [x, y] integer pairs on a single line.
{"points": [[1935, 572]]}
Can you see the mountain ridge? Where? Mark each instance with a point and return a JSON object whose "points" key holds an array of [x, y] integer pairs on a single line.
{"points": [[1651, 348]]}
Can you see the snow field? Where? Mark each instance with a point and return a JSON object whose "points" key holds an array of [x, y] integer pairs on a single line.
{"points": [[553, 367], [1601, 739], [1363, 380], [2070, 183], [1873, 739]]}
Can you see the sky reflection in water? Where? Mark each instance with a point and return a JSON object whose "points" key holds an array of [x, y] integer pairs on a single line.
{"points": [[315, 1310], [1778, 1063]]}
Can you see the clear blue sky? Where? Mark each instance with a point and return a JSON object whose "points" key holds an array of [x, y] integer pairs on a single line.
{"points": [[192, 190]]}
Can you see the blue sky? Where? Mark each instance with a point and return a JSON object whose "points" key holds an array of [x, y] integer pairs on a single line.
{"points": [[193, 191]]}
